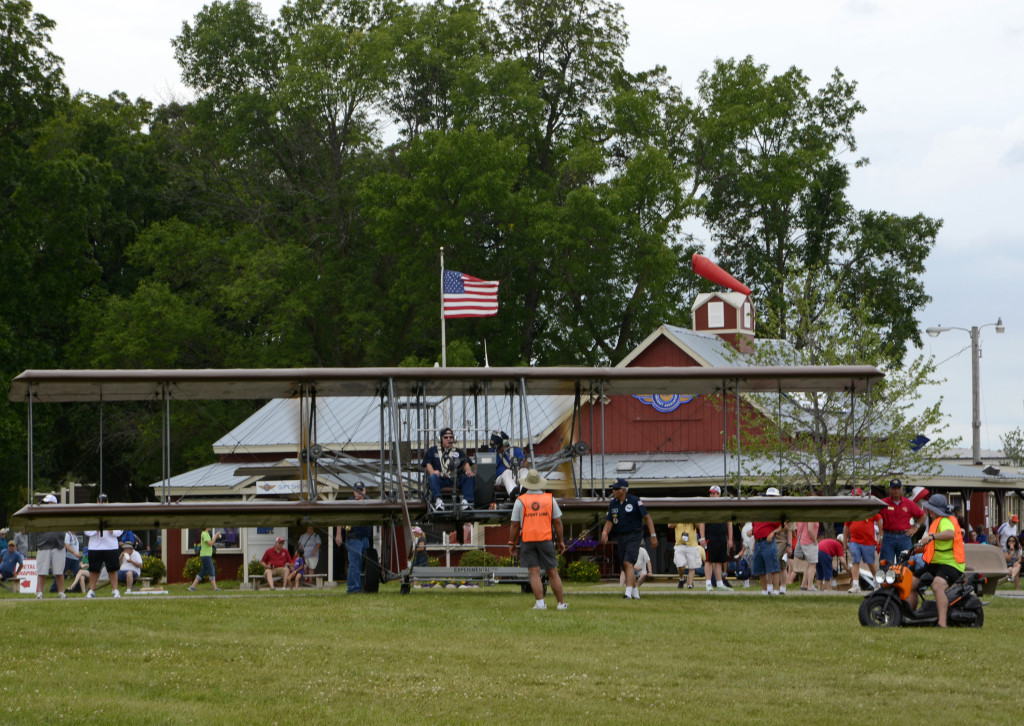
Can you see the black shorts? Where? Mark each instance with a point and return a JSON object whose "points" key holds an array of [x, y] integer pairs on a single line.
{"points": [[629, 548], [99, 558], [717, 535], [947, 572]]}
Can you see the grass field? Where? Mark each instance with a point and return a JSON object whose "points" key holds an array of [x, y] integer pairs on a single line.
{"points": [[474, 656]]}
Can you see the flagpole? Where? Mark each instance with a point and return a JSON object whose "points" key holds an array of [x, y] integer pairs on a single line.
{"points": [[444, 346], [444, 343]]}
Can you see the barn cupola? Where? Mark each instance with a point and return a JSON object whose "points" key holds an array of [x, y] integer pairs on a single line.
{"points": [[729, 315]]}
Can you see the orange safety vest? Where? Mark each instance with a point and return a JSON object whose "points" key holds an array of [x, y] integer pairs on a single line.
{"points": [[958, 541], [537, 510]]}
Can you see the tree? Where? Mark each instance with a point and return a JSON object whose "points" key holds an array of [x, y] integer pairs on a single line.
{"points": [[822, 446], [1013, 445], [769, 171]]}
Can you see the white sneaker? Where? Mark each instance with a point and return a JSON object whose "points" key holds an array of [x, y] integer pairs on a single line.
{"points": [[721, 587], [90, 594], [465, 504], [117, 593], [636, 594], [129, 591], [855, 587], [540, 605], [439, 504], [708, 587], [39, 596], [562, 606], [746, 583], [62, 596]]}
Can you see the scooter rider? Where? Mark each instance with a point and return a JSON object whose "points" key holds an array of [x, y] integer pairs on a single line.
{"points": [[944, 555]]}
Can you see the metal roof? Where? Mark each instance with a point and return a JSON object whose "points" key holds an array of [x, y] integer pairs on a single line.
{"points": [[352, 423]]}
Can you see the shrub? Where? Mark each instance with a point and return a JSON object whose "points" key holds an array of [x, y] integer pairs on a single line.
{"points": [[153, 567], [192, 567], [433, 562], [255, 570], [478, 558], [583, 571], [505, 561]]}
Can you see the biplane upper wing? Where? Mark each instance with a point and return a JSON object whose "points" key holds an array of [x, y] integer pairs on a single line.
{"points": [[264, 383]]}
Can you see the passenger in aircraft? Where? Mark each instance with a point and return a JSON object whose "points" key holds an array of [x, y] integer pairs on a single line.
{"points": [[446, 466], [510, 460]]}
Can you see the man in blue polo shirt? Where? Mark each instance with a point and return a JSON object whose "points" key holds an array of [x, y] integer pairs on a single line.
{"points": [[625, 521]]}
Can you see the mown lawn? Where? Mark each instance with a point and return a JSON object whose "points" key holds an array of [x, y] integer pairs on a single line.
{"points": [[473, 656]]}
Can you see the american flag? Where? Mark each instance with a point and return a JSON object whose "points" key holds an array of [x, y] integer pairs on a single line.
{"points": [[465, 296]]}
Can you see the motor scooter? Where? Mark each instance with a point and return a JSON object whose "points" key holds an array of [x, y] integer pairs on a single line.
{"points": [[888, 605]]}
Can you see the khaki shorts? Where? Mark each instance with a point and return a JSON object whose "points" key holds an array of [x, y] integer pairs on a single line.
{"points": [[686, 556], [810, 553], [50, 562], [276, 571]]}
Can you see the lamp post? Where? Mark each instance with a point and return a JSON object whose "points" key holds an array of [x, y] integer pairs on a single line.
{"points": [[975, 333]]}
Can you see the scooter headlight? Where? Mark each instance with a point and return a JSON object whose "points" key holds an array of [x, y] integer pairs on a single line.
{"points": [[879, 577], [890, 577]]}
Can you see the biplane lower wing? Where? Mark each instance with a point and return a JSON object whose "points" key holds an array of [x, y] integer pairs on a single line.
{"points": [[664, 510], [183, 515]]}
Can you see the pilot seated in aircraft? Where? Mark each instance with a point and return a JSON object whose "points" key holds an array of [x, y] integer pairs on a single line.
{"points": [[446, 465], [510, 460]]}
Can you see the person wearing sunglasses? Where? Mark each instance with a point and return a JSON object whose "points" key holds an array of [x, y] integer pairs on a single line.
{"points": [[1012, 553], [447, 466]]}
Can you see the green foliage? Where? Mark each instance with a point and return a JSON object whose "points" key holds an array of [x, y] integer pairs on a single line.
{"points": [[823, 448], [1013, 446], [505, 561], [256, 569], [768, 155], [477, 558], [583, 571], [154, 567], [192, 567], [433, 562]]}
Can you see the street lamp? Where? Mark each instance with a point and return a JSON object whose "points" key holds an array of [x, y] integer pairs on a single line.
{"points": [[975, 333]]}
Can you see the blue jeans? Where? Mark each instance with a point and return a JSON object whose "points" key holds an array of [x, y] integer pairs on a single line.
{"points": [[356, 547], [892, 544], [466, 483]]}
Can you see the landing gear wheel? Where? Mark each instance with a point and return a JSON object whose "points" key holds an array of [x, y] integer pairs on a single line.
{"points": [[879, 613], [371, 571]]}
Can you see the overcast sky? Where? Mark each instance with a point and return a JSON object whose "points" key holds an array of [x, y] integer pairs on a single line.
{"points": [[943, 83]]}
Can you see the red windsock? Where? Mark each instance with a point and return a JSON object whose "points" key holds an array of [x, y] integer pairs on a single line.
{"points": [[710, 271]]}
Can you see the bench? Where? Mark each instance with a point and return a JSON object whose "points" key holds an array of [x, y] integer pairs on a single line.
{"points": [[14, 582], [314, 579], [258, 581]]}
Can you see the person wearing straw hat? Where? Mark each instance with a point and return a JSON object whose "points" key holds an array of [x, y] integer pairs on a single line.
{"points": [[944, 554], [536, 518]]}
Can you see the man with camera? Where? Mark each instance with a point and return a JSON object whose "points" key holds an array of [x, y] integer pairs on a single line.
{"points": [[510, 460]]}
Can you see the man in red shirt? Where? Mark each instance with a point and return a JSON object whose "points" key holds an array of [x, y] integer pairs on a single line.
{"points": [[896, 522], [827, 549], [276, 562], [766, 558], [859, 540]]}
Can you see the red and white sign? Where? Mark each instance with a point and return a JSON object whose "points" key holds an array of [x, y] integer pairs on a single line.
{"points": [[28, 576]]}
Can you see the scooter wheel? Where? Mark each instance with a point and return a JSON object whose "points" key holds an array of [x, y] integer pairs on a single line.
{"points": [[980, 621], [877, 612]]}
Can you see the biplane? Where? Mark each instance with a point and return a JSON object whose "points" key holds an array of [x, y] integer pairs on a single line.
{"points": [[402, 499]]}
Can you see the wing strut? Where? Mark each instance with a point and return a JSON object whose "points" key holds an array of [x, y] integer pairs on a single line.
{"points": [[406, 520]]}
